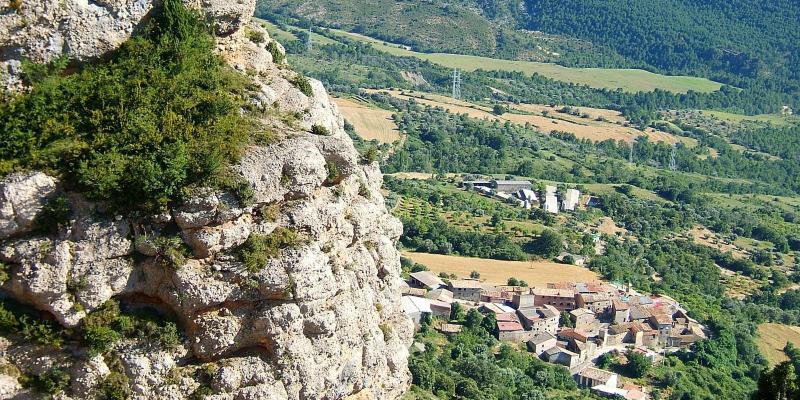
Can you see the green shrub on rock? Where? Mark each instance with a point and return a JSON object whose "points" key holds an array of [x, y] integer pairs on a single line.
{"points": [[161, 114], [258, 249]]}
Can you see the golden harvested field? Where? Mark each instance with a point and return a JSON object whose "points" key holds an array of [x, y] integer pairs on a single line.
{"points": [[536, 273], [772, 338], [548, 119], [370, 123]]}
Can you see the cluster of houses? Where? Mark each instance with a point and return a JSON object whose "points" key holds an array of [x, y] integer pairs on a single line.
{"points": [[523, 194], [566, 323]]}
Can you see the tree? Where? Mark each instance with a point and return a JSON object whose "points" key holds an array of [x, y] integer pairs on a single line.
{"points": [[423, 374], [778, 384], [425, 322], [489, 324], [456, 312], [475, 275], [498, 109], [444, 386], [473, 319], [513, 281], [565, 320], [548, 245], [467, 389], [638, 365]]}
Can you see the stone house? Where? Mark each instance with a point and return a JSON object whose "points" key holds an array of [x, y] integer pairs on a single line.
{"points": [[561, 356], [542, 342], [590, 377], [425, 279], [582, 318], [599, 303], [561, 299], [539, 319], [468, 290]]}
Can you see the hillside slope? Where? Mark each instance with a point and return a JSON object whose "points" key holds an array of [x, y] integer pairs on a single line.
{"points": [[736, 41]]}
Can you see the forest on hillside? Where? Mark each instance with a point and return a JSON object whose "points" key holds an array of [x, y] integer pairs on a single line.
{"points": [[742, 43]]}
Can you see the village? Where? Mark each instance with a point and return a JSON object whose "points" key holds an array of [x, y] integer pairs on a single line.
{"points": [[568, 323]]}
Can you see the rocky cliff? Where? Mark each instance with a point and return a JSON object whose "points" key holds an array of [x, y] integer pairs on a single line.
{"points": [[320, 319]]}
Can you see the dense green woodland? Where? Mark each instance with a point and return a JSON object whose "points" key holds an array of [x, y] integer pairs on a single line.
{"points": [[747, 44], [348, 65]]}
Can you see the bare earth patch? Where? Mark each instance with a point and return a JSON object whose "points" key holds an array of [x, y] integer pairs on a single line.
{"points": [[772, 338], [535, 273], [370, 123], [609, 227]]}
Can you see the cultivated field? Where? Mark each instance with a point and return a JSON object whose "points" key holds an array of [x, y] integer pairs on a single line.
{"points": [[370, 123], [630, 80], [537, 273], [704, 236], [772, 338], [548, 119]]}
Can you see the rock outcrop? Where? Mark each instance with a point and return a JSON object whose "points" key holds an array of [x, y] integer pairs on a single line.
{"points": [[319, 320]]}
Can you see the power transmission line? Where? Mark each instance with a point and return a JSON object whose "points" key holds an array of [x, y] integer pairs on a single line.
{"points": [[457, 84], [673, 164], [630, 154]]}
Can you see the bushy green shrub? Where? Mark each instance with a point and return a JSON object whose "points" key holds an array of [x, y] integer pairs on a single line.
{"points": [[55, 213], [172, 251], [16, 318], [99, 338], [320, 130], [302, 83], [277, 55], [258, 249], [164, 113], [334, 176], [256, 36], [115, 386], [53, 381], [106, 325], [5, 273]]}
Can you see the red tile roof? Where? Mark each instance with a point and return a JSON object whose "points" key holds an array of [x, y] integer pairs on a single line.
{"points": [[509, 326]]}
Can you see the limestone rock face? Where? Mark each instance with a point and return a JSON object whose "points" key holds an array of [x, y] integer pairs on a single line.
{"points": [[22, 197], [320, 318]]}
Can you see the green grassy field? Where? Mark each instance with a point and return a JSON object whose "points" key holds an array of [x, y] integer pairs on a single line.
{"points": [[631, 80]]}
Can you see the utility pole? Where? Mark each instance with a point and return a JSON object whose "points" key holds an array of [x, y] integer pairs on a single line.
{"points": [[457, 84], [673, 164], [309, 44], [630, 155]]}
